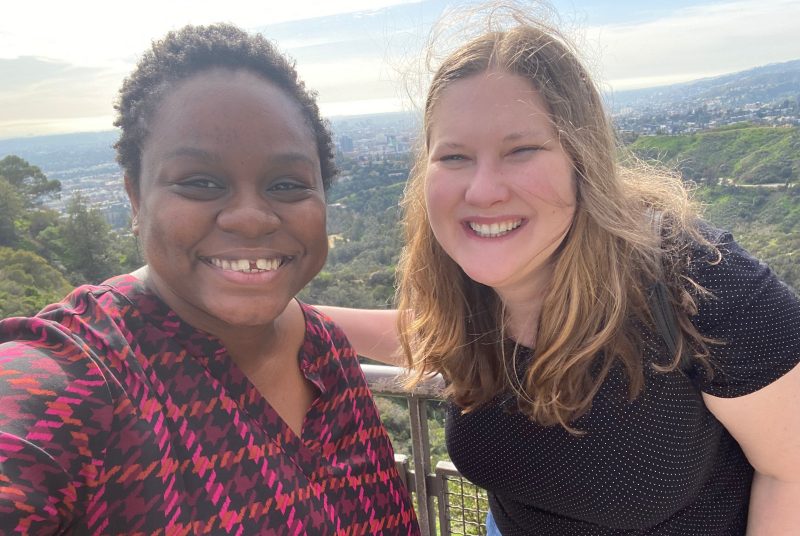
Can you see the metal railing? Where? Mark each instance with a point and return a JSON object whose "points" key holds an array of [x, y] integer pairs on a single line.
{"points": [[461, 506]]}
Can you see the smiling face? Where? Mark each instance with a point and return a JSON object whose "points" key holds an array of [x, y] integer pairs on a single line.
{"points": [[230, 208], [499, 188]]}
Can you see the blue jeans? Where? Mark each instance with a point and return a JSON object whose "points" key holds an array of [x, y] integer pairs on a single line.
{"points": [[491, 526]]}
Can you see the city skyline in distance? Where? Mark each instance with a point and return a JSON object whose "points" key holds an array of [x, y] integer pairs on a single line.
{"points": [[359, 55]]}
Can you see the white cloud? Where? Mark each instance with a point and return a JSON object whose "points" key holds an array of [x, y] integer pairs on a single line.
{"points": [[61, 63], [363, 106], [698, 42], [95, 32]]}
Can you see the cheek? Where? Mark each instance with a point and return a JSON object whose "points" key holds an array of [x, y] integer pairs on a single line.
{"points": [[440, 212], [166, 234], [313, 221], [554, 186], [438, 198]]}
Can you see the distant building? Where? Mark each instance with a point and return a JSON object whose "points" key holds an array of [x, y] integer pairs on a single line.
{"points": [[345, 143], [118, 215]]}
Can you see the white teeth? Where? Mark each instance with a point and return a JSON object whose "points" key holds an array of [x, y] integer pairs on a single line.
{"points": [[495, 229], [246, 266]]}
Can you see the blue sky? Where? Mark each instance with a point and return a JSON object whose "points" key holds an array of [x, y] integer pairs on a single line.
{"points": [[61, 63]]}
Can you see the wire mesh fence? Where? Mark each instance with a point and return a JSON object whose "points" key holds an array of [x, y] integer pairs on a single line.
{"points": [[441, 493], [463, 505]]}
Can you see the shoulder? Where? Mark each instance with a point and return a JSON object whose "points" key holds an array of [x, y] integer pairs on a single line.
{"points": [[327, 349], [730, 272], [751, 315], [739, 286], [62, 357], [52, 361], [323, 328], [58, 410], [89, 316]]}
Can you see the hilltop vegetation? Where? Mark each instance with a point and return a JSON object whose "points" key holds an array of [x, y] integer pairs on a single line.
{"points": [[766, 222], [745, 153], [44, 254], [363, 223]]}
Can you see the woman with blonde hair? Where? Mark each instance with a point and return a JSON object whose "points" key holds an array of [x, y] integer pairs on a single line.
{"points": [[613, 365]]}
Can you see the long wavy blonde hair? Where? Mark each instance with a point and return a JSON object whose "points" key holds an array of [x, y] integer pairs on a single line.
{"points": [[603, 270]]}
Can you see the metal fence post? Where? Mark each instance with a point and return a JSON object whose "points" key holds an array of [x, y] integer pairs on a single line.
{"points": [[428, 485], [418, 410]]}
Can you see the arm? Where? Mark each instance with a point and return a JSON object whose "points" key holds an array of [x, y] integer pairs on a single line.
{"points": [[372, 332], [766, 424]]}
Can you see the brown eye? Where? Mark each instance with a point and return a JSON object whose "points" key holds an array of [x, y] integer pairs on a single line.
{"points": [[200, 182], [199, 187], [289, 190]]}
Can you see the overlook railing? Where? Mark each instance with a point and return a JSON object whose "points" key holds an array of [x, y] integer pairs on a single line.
{"points": [[441, 492]]}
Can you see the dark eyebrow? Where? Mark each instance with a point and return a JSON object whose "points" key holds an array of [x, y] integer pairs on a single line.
{"points": [[294, 157], [209, 156], [192, 152]]}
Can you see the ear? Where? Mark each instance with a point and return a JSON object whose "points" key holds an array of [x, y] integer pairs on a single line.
{"points": [[132, 189]]}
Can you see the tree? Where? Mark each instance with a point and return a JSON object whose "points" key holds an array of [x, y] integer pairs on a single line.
{"points": [[40, 219], [27, 283], [10, 211], [86, 237], [31, 183]]}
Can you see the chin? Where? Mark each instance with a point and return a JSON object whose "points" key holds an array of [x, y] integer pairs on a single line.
{"points": [[252, 316], [489, 280]]}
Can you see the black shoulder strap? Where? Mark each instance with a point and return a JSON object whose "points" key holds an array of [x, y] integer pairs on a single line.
{"points": [[662, 310], [664, 316]]}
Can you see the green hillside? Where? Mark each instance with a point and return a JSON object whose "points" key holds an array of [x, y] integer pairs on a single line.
{"points": [[764, 221], [363, 223], [745, 153]]}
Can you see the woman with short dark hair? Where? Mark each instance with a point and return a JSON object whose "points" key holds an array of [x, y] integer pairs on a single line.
{"points": [[197, 395]]}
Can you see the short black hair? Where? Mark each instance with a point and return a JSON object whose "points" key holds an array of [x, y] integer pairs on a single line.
{"points": [[194, 49]]}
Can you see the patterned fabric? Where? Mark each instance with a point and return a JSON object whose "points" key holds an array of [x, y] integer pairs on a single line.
{"points": [[117, 417], [661, 464]]}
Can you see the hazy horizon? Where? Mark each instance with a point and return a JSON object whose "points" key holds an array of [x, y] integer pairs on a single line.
{"points": [[56, 77]]}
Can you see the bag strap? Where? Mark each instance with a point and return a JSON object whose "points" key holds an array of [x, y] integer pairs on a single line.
{"points": [[663, 313], [664, 316]]}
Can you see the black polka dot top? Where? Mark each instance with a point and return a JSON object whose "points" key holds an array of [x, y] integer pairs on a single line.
{"points": [[660, 464]]}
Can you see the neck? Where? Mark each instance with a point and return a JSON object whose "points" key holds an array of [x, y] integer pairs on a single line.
{"points": [[251, 347], [523, 306]]}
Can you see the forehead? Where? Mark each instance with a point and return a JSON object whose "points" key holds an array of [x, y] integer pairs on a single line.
{"points": [[219, 105], [491, 98]]}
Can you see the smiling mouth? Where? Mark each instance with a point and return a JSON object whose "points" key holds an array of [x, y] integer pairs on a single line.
{"points": [[248, 266], [494, 230]]}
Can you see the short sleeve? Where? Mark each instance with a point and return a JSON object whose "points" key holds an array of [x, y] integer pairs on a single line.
{"points": [[753, 317]]}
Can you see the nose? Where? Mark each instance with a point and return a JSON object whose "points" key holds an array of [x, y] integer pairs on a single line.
{"points": [[487, 185], [248, 215]]}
